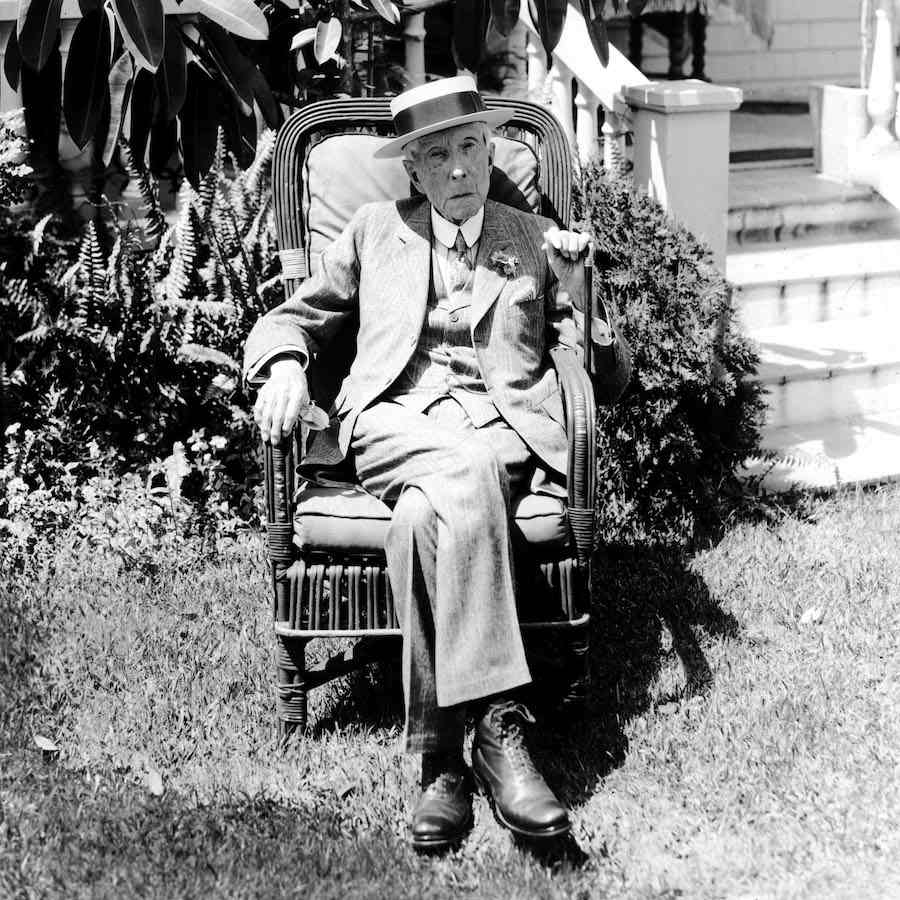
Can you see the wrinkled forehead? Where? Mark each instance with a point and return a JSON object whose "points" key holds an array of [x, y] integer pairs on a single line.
{"points": [[450, 137]]}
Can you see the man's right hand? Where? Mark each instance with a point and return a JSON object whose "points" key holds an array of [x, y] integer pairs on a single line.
{"points": [[281, 399]]}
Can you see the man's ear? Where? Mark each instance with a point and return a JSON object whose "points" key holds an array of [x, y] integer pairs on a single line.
{"points": [[411, 172], [490, 152]]}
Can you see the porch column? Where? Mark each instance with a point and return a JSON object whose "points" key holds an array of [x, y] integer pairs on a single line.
{"points": [[414, 42], [681, 145]]}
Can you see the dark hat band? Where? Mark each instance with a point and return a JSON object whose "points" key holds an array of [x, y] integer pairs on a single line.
{"points": [[437, 110]]}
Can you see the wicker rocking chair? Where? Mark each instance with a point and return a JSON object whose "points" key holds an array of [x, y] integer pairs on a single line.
{"points": [[325, 543]]}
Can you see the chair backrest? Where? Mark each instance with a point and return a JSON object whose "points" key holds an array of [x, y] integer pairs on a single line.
{"points": [[324, 169]]}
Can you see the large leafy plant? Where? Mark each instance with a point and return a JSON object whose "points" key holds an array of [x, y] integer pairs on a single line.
{"points": [[166, 74]]}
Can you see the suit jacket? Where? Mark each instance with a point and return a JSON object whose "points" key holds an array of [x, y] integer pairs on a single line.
{"points": [[379, 267]]}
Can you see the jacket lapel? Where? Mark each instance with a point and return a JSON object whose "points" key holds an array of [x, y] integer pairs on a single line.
{"points": [[489, 277], [409, 269]]}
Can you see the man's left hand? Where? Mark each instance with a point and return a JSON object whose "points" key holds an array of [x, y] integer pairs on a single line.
{"points": [[565, 250]]}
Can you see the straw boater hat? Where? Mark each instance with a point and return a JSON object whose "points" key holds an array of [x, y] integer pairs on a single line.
{"points": [[441, 104]]}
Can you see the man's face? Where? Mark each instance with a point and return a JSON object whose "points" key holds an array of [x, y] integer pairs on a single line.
{"points": [[452, 169]]}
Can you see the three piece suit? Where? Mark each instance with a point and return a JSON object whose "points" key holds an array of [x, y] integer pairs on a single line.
{"points": [[446, 471]]}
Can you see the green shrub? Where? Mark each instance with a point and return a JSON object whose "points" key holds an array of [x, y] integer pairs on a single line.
{"points": [[668, 451]]}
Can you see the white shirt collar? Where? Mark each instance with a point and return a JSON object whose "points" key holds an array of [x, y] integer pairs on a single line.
{"points": [[445, 231]]}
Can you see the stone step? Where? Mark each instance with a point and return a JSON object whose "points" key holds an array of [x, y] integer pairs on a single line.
{"points": [[829, 370], [793, 284], [824, 455], [789, 202]]}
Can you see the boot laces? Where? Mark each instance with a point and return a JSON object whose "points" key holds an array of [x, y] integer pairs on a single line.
{"points": [[509, 720]]}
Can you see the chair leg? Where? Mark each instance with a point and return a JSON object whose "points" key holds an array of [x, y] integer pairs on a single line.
{"points": [[579, 683], [291, 687]]}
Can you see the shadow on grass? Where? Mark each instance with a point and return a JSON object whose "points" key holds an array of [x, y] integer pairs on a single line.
{"points": [[65, 834], [650, 615]]}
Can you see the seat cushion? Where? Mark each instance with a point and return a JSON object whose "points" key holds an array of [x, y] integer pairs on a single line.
{"points": [[349, 518], [330, 198]]}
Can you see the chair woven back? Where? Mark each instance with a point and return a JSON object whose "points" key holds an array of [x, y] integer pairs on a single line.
{"points": [[531, 124]]}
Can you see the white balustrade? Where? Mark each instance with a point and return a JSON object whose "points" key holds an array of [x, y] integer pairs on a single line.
{"points": [[560, 80], [586, 122], [882, 96], [414, 47]]}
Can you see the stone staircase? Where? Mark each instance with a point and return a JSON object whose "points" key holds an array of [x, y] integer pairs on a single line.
{"points": [[816, 270]]}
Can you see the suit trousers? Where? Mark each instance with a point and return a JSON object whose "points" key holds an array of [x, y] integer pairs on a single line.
{"points": [[449, 556]]}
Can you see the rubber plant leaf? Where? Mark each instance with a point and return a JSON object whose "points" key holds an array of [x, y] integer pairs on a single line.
{"points": [[139, 118], [163, 144], [85, 83], [142, 24], [198, 125], [302, 38], [269, 107], [37, 29], [636, 7], [328, 37], [240, 17], [470, 22], [121, 79], [549, 17], [87, 6], [171, 76], [12, 61], [233, 66], [42, 100], [596, 29], [387, 10], [505, 14]]}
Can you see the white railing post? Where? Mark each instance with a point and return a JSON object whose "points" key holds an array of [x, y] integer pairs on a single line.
{"points": [[414, 45], [537, 71], [586, 134], [882, 99], [614, 129], [561, 98]]}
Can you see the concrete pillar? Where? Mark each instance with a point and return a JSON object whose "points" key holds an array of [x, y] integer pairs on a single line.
{"points": [[561, 99], [681, 145], [414, 42], [537, 71], [586, 134]]}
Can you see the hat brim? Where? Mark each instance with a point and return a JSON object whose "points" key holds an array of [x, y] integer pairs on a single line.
{"points": [[489, 116]]}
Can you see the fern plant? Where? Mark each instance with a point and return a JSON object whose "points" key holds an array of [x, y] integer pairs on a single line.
{"points": [[127, 341]]}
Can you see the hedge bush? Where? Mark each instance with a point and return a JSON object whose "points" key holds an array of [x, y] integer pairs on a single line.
{"points": [[669, 450], [119, 350]]}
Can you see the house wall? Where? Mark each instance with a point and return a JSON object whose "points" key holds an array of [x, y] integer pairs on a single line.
{"points": [[814, 41]]}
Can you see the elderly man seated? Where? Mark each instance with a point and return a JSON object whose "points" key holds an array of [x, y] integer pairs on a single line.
{"points": [[450, 407]]}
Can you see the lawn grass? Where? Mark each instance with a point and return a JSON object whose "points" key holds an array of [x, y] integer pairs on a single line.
{"points": [[743, 739]]}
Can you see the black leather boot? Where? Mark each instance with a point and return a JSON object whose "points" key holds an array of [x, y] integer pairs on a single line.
{"points": [[443, 815], [503, 769]]}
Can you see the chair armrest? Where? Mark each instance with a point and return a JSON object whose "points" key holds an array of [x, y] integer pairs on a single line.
{"points": [[278, 472], [580, 411]]}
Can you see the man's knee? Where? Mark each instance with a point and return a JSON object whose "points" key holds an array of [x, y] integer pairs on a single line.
{"points": [[480, 464], [413, 511]]}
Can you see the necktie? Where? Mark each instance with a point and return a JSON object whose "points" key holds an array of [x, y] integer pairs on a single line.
{"points": [[460, 268]]}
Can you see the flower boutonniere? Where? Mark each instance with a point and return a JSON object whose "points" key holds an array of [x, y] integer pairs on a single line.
{"points": [[507, 264]]}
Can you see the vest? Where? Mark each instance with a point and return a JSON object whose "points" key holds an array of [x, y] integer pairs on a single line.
{"points": [[444, 363]]}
